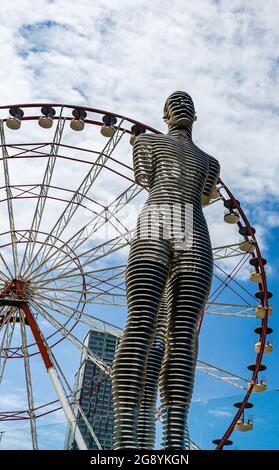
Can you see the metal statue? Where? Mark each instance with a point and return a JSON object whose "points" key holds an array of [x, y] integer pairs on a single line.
{"points": [[168, 278]]}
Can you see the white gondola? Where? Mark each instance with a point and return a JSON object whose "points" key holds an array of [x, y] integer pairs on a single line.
{"points": [[133, 138], [107, 131], [257, 387], [255, 276], [13, 123], [231, 217], [215, 193], [45, 122], [268, 347], [205, 200], [261, 311], [77, 124], [247, 246], [243, 426]]}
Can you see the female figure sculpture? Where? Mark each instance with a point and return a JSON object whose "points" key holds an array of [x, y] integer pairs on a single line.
{"points": [[170, 265]]}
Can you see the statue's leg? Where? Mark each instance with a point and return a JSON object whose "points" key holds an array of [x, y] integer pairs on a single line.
{"points": [[147, 413], [187, 292], [145, 283]]}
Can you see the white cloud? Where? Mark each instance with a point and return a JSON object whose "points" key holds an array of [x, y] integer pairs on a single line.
{"points": [[127, 59], [220, 413], [16, 440], [12, 402]]}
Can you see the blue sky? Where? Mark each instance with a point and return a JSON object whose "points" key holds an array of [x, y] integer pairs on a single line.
{"points": [[128, 58], [209, 417]]}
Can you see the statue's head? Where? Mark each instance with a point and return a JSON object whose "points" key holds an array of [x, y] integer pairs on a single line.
{"points": [[179, 110]]}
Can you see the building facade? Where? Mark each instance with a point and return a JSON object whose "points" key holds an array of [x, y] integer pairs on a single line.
{"points": [[93, 389]]}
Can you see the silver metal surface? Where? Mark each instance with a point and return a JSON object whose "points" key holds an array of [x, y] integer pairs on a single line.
{"points": [[170, 256]]}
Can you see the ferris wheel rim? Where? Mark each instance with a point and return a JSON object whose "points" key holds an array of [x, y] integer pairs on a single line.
{"points": [[85, 108], [264, 325]]}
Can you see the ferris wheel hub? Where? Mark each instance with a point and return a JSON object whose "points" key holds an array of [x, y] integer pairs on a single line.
{"points": [[15, 293]]}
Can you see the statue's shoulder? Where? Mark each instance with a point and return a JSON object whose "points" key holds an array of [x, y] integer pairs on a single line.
{"points": [[214, 165], [147, 138], [211, 160]]}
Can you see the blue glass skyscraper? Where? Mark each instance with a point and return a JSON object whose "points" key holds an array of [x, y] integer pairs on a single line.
{"points": [[93, 389]]}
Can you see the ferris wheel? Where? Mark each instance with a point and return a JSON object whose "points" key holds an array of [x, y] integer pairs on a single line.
{"points": [[68, 205]]}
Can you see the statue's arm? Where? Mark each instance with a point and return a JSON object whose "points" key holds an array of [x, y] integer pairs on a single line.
{"points": [[142, 160], [212, 177]]}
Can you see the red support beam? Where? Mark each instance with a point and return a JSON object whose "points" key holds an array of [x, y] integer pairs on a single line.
{"points": [[34, 327]]}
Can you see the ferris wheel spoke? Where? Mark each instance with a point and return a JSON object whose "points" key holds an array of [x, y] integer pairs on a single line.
{"points": [[72, 277], [77, 315], [89, 320], [6, 344], [236, 282], [2, 274], [214, 201], [5, 317], [228, 279], [92, 279], [94, 282], [79, 195], [119, 287], [66, 288], [58, 275], [59, 327], [98, 221], [48, 271], [61, 298], [223, 375], [194, 446], [41, 202], [29, 387], [24, 151], [125, 236], [90, 256], [75, 402], [226, 310], [105, 249], [226, 284], [66, 294], [9, 199], [101, 287], [227, 251], [111, 301], [108, 298], [116, 223], [88, 150], [32, 191], [99, 281], [116, 272]]}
